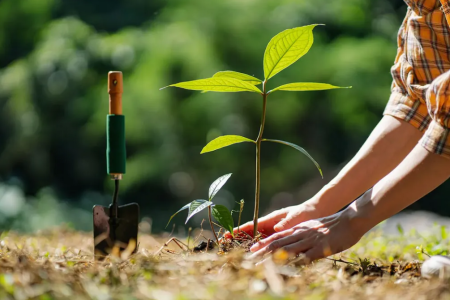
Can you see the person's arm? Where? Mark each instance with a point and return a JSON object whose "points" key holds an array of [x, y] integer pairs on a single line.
{"points": [[386, 147], [420, 173], [388, 144], [417, 175]]}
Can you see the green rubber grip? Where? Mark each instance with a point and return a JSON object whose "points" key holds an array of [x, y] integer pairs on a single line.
{"points": [[116, 153]]}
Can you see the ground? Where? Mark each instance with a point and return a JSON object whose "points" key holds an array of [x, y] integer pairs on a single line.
{"points": [[58, 264]]}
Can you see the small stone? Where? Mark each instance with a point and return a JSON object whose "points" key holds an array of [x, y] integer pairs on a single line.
{"points": [[436, 266], [402, 281], [258, 286]]}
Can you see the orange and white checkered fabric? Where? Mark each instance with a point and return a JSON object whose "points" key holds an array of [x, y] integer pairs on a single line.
{"points": [[421, 73]]}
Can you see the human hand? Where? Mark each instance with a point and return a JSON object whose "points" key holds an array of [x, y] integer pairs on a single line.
{"points": [[281, 219], [315, 238]]}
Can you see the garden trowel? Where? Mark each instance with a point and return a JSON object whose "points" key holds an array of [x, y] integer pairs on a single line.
{"points": [[115, 227]]}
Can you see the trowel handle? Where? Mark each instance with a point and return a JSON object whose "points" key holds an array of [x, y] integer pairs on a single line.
{"points": [[115, 127], [115, 90]]}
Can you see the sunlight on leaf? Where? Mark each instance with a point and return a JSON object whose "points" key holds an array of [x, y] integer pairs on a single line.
{"points": [[238, 75], [181, 209], [223, 84], [197, 206], [297, 148], [223, 216], [217, 185], [286, 48], [307, 86], [224, 141]]}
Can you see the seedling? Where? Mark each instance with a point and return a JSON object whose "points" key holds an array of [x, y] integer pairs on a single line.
{"points": [[282, 51], [220, 212], [241, 209]]}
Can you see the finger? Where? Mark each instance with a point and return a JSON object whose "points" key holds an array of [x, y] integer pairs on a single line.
{"points": [[288, 222], [316, 252], [293, 244], [259, 253], [272, 247], [271, 239], [275, 245], [265, 224], [300, 246]]}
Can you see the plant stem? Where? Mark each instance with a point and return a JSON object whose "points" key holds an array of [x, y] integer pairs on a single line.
{"points": [[258, 162], [211, 223], [241, 208]]}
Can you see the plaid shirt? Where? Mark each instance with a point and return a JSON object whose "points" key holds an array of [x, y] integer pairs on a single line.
{"points": [[421, 73]]}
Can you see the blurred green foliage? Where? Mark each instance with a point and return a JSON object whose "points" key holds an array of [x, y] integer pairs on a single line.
{"points": [[54, 59]]}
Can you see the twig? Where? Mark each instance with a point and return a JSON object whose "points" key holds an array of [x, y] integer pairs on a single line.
{"points": [[201, 232], [189, 236], [342, 261], [211, 223], [248, 235], [173, 229], [176, 241], [221, 227]]}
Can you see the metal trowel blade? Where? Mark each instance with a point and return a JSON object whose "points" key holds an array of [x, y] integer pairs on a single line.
{"points": [[115, 237]]}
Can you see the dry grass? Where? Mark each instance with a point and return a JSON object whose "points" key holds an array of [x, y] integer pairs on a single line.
{"points": [[58, 264]]}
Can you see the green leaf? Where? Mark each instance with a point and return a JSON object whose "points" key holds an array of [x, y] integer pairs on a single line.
{"points": [[223, 216], [286, 48], [224, 141], [197, 206], [181, 209], [217, 185], [222, 84], [238, 75], [299, 149], [307, 86]]}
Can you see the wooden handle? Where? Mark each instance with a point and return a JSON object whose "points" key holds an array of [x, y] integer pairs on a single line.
{"points": [[115, 90]]}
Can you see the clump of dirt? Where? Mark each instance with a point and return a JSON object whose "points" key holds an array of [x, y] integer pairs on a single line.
{"points": [[240, 240], [204, 246]]}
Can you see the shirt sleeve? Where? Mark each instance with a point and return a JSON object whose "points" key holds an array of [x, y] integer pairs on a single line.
{"points": [[402, 104], [436, 138], [446, 9]]}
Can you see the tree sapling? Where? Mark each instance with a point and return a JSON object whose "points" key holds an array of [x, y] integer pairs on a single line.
{"points": [[282, 51], [220, 212]]}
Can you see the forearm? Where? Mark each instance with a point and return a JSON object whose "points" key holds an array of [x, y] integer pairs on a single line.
{"points": [[386, 147], [417, 175]]}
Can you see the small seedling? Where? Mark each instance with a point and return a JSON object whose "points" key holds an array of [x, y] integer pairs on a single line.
{"points": [[241, 208], [219, 212], [282, 51]]}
